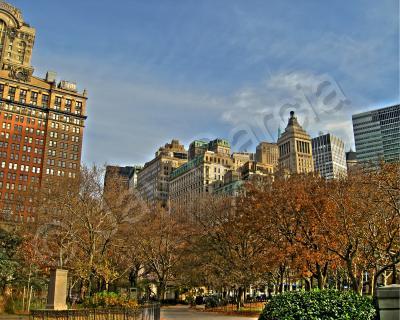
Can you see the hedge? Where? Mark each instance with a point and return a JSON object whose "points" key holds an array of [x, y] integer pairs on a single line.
{"points": [[319, 305]]}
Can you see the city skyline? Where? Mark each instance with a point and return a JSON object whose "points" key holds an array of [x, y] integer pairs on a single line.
{"points": [[191, 70]]}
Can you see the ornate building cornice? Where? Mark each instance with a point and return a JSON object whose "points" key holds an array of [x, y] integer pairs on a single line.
{"points": [[12, 10]]}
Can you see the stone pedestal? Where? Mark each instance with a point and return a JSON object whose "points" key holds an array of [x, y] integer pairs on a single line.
{"points": [[389, 302], [57, 293]]}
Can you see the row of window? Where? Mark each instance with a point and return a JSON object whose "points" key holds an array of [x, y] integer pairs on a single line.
{"points": [[23, 98], [63, 136], [62, 164], [22, 167], [17, 147], [21, 177], [56, 125], [24, 157], [18, 137], [60, 173], [67, 119], [23, 110]]}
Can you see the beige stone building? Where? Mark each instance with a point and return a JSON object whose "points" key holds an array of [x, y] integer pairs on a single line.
{"points": [[42, 121], [295, 148], [267, 153], [204, 173], [253, 168], [153, 179], [239, 159]]}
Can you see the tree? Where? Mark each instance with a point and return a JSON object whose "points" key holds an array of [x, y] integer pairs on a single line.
{"points": [[161, 239]]}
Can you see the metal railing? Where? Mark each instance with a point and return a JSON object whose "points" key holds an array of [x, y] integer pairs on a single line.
{"points": [[144, 312]]}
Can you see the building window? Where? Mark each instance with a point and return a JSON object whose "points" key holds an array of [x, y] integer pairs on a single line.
{"points": [[68, 104], [22, 96], [45, 100], [57, 103], [11, 93]]}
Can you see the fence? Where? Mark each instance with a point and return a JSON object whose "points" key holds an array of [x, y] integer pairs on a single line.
{"points": [[145, 312]]}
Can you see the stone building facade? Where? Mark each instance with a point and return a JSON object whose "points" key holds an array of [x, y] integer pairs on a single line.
{"points": [[153, 179], [295, 149], [205, 173]]}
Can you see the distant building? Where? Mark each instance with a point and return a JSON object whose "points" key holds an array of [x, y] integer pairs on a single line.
{"points": [[329, 156], [377, 135], [268, 154], [125, 176], [240, 158], [203, 174], [153, 179], [134, 177], [197, 148], [295, 149], [232, 184], [252, 168], [351, 159]]}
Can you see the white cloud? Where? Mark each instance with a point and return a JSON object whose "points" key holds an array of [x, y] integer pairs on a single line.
{"points": [[318, 101]]}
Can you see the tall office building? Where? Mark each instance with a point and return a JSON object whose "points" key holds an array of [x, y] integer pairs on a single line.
{"points": [[153, 179], [295, 149], [377, 134], [329, 156], [42, 121]]}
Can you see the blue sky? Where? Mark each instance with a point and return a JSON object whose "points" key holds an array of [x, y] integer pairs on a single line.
{"points": [[162, 69]]}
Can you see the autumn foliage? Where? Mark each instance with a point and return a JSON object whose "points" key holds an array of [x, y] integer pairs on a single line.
{"points": [[282, 234]]}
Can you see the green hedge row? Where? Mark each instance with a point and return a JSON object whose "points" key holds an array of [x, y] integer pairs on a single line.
{"points": [[319, 305]]}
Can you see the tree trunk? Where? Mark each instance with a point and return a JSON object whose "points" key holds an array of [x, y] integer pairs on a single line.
{"points": [[394, 274], [161, 290], [307, 284], [353, 278], [240, 298]]}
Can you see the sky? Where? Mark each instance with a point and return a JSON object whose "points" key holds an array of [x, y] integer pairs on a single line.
{"points": [[157, 70]]}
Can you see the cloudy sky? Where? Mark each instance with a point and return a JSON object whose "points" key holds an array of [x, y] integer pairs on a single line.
{"points": [[187, 69]]}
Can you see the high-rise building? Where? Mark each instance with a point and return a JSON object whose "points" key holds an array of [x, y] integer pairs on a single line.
{"points": [[42, 121], [329, 156], [203, 174], [153, 179], [295, 149], [377, 134], [268, 154], [126, 177]]}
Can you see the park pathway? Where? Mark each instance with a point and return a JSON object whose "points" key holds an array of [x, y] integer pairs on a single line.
{"points": [[184, 313]]}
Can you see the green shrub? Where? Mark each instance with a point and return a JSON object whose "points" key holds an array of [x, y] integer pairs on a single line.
{"points": [[214, 302], [107, 299], [319, 305]]}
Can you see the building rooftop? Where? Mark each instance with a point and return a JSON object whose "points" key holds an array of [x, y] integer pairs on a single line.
{"points": [[351, 155]]}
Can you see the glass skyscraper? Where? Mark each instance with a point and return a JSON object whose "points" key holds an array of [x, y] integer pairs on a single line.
{"points": [[329, 156], [377, 134]]}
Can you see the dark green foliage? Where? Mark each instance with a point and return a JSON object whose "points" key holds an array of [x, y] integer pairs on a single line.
{"points": [[214, 301], [9, 264], [319, 305]]}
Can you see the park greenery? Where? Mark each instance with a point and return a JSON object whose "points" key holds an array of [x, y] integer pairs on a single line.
{"points": [[287, 233], [319, 305]]}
